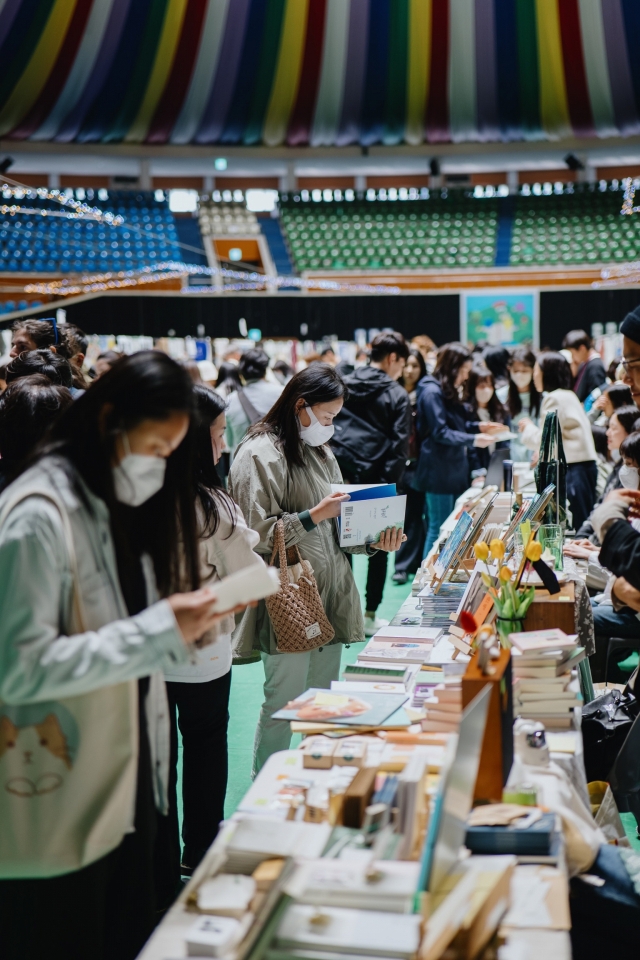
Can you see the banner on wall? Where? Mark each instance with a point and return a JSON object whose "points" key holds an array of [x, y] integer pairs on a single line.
{"points": [[507, 318]]}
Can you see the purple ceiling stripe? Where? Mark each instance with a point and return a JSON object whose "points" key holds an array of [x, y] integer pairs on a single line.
{"points": [[215, 115], [486, 82], [8, 16], [104, 58], [622, 94], [354, 76]]}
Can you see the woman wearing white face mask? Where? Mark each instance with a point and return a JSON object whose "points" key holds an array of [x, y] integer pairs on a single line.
{"points": [[199, 691], [91, 535], [283, 470], [484, 406], [524, 400]]}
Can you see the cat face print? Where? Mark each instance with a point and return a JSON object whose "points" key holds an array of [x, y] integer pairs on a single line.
{"points": [[38, 743]]}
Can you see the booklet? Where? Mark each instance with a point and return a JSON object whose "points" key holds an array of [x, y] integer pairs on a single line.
{"points": [[325, 706], [362, 521]]}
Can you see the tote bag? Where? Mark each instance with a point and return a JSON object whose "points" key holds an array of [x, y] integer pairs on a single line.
{"points": [[68, 767], [552, 468]]}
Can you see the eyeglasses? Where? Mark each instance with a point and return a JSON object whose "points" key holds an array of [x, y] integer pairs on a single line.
{"points": [[628, 363]]}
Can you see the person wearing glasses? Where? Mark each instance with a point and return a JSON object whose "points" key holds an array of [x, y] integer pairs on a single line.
{"points": [[630, 330]]}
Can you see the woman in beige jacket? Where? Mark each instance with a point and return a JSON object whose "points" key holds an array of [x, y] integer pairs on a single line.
{"points": [[284, 469], [552, 377]]}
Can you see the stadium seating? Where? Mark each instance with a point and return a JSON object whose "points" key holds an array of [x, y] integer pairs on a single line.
{"points": [[450, 229], [581, 227], [227, 219], [33, 243]]}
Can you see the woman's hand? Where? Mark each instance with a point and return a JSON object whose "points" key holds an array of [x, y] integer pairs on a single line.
{"points": [[572, 549], [390, 540], [524, 424], [490, 426], [328, 508], [630, 499], [193, 613], [600, 403]]}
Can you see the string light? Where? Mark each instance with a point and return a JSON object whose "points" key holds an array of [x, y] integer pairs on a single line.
{"points": [[629, 195], [43, 193], [172, 270]]}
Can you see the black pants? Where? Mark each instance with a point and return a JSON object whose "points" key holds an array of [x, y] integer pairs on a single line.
{"points": [[105, 911], [581, 490], [203, 717], [409, 556], [376, 576]]}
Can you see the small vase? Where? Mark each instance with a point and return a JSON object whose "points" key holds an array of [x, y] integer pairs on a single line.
{"points": [[505, 627]]}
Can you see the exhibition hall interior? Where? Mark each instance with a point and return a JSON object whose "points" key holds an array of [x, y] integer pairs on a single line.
{"points": [[319, 479]]}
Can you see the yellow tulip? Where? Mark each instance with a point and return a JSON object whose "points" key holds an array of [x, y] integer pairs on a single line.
{"points": [[505, 574], [497, 549], [533, 551], [481, 551]]}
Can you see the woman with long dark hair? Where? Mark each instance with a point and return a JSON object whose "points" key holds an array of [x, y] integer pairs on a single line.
{"points": [[409, 556], [483, 405], [446, 435], [524, 400], [199, 691], [98, 529], [552, 378], [283, 470]]}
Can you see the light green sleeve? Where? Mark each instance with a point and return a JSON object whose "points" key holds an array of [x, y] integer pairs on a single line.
{"points": [[37, 661]]}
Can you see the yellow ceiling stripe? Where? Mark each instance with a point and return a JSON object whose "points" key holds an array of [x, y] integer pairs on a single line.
{"points": [[418, 68], [287, 75], [29, 86], [554, 111], [163, 63]]}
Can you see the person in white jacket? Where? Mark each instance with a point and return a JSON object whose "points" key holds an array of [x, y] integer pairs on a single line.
{"points": [[91, 537], [199, 691], [552, 377]]}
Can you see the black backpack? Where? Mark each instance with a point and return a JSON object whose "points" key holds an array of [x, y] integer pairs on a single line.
{"points": [[360, 448]]}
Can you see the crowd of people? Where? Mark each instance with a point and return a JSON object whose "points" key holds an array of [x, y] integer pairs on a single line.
{"points": [[129, 491]]}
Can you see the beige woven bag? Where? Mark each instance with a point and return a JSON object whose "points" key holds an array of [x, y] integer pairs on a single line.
{"points": [[296, 611]]}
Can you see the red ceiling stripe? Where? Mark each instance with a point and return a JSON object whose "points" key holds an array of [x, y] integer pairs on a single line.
{"points": [[437, 120], [574, 69], [58, 76], [178, 80], [302, 114]]}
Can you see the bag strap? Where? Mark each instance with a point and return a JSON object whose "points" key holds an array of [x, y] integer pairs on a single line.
{"points": [[21, 495], [279, 547], [250, 411]]}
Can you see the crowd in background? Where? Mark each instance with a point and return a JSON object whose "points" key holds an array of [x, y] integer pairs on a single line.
{"points": [[131, 487]]}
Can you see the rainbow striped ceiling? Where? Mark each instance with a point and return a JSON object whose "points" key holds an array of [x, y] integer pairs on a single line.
{"points": [[318, 72]]}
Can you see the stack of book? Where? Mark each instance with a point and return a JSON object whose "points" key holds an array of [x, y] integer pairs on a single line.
{"points": [[445, 709], [545, 688]]}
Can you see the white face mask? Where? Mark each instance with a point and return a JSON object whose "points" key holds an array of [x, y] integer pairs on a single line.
{"points": [[522, 379], [316, 433], [628, 477], [137, 477], [484, 394]]}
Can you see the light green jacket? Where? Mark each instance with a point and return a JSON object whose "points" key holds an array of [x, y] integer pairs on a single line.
{"points": [[266, 490]]}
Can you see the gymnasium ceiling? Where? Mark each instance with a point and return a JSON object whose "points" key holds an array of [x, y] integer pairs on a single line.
{"points": [[318, 73]]}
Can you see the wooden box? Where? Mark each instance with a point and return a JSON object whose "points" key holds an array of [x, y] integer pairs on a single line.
{"points": [[497, 747], [552, 611]]}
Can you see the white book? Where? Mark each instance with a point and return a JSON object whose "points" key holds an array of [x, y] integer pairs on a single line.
{"points": [[227, 894], [346, 883], [362, 521], [565, 696], [363, 932], [409, 634], [400, 650], [543, 641], [543, 708]]}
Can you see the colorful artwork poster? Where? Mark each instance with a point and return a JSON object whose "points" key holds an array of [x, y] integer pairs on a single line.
{"points": [[507, 319]]}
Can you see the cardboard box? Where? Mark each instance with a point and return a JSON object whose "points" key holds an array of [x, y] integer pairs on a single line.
{"points": [[318, 753], [548, 611], [529, 882]]}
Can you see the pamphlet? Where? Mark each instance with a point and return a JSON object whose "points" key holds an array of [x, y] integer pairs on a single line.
{"points": [[325, 706], [454, 541], [362, 521]]}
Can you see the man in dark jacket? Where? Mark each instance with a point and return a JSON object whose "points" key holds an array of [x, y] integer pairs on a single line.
{"points": [[378, 412], [591, 372]]}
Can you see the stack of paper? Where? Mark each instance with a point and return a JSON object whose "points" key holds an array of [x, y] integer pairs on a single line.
{"points": [[386, 885], [400, 651], [544, 688], [341, 931], [255, 839], [445, 710]]}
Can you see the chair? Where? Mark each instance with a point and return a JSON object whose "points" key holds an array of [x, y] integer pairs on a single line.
{"points": [[627, 644]]}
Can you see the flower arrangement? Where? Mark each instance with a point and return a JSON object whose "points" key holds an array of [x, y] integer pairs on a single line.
{"points": [[511, 603]]}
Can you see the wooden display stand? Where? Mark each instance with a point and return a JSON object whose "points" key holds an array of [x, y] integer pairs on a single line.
{"points": [[548, 611], [497, 747]]}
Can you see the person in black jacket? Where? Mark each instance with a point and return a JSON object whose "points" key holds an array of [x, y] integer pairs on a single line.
{"points": [[446, 434], [591, 372], [383, 411]]}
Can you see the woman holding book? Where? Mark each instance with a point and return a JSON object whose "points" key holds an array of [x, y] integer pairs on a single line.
{"points": [[283, 470]]}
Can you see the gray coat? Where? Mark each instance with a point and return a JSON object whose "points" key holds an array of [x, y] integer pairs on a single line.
{"points": [[266, 490]]}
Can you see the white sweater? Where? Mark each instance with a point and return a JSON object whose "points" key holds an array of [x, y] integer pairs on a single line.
{"points": [[577, 438]]}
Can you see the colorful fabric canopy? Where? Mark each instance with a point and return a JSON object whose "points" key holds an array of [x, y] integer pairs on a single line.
{"points": [[319, 72]]}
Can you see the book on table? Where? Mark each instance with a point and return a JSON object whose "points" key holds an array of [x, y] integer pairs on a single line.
{"points": [[395, 651], [343, 709]]}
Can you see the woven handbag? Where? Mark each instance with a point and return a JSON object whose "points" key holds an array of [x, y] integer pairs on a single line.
{"points": [[296, 612]]}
